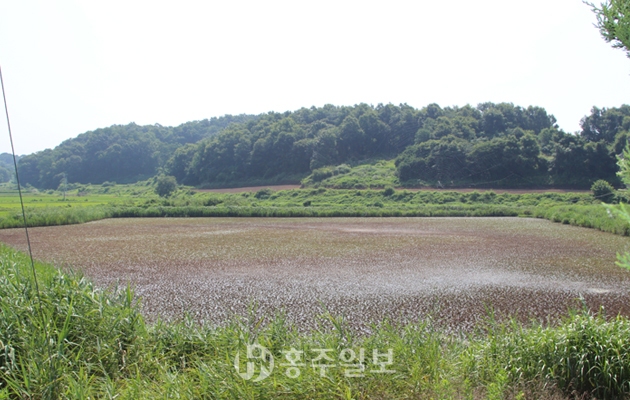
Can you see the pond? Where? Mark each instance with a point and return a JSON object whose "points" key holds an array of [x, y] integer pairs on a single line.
{"points": [[364, 269]]}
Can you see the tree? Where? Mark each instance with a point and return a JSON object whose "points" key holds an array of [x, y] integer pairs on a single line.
{"points": [[613, 21], [494, 122], [351, 139], [165, 185], [325, 149], [433, 161], [179, 164], [623, 161], [604, 123]]}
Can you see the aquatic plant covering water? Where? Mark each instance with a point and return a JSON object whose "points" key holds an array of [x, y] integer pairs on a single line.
{"points": [[359, 268]]}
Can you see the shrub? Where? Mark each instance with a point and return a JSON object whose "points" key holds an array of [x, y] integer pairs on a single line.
{"points": [[263, 194], [320, 174], [603, 191], [342, 169], [165, 185], [212, 201], [388, 191]]}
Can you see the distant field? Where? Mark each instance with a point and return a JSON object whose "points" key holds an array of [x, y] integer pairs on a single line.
{"points": [[363, 269], [92, 196], [10, 202]]}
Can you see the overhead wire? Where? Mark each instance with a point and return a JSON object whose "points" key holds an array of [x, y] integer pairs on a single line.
{"points": [[17, 178], [28, 239]]}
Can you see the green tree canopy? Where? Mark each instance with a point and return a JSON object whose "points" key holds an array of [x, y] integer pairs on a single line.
{"points": [[613, 21], [491, 143]]}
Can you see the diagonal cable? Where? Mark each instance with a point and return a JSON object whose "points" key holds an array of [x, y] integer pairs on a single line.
{"points": [[17, 178]]}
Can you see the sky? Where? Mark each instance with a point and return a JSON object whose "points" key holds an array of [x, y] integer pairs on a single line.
{"points": [[74, 66]]}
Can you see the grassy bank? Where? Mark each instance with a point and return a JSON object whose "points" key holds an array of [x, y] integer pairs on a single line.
{"points": [[588, 216], [377, 174], [52, 216], [81, 342], [579, 209]]}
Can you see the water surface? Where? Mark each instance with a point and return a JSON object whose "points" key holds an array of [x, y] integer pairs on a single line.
{"points": [[365, 269]]}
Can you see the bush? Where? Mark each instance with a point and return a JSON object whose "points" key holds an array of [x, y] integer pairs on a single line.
{"points": [[165, 185], [212, 201], [388, 191], [603, 191], [341, 169], [263, 194], [320, 174]]}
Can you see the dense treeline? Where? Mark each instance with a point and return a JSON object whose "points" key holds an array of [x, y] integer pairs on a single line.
{"points": [[292, 144], [120, 153], [503, 145], [7, 168], [488, 145]]}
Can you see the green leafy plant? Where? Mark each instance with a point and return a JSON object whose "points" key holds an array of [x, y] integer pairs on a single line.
{"points": [[165, 185], [603, 191], [613, 21], [263, 194], [621, 211]]}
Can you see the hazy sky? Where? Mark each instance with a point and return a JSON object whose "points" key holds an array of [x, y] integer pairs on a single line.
{"points": [[74, 66]]}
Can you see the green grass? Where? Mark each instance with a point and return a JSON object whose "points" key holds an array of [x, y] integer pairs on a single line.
{"points": [[89, 343], [280, 179], [10, 202], [68, 331], [379, 174], [79, 196], [588, 216], [585, 354], [46, 209]]}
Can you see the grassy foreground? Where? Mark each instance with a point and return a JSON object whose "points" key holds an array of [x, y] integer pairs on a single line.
{"points": [[81, 342]]}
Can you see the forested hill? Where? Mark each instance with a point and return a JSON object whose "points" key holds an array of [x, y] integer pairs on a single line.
{"points": [[120, 153], [488, 145]]}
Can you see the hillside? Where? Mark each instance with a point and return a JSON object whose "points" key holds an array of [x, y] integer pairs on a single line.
{"points": [[490, 145], [119, 153]]}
